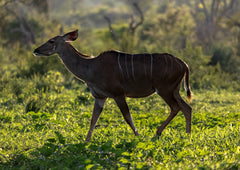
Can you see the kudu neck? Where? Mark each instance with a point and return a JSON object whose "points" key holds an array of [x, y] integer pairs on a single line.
{"points": [[75, 62], [68, 51]]}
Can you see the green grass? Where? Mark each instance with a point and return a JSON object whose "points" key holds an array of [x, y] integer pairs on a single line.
{"points": [[43, 125]]}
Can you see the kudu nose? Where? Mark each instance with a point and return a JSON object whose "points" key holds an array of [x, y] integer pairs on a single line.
{"points": [[36, 52]]}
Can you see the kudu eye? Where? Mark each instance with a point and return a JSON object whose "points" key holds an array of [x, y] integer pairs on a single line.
{"points": [[51, 41]]}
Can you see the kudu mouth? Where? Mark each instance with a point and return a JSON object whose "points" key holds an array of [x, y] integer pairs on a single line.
{"points": [[38, 54], [35, 53]]}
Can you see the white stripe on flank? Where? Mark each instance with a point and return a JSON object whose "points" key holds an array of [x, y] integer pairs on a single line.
{"points": [[119, 65], [165, 57], [145, 69], [151, 65], [179, 63], [132, 67], [126, 65], [171, 62]]}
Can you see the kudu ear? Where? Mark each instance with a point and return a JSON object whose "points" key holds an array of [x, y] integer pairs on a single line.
{"points": [[71, 36]]}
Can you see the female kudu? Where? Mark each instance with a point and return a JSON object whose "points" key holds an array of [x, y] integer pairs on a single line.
{"points": [[119, 75]]}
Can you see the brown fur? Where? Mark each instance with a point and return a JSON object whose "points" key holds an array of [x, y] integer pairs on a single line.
{"points": [[118, 75]]}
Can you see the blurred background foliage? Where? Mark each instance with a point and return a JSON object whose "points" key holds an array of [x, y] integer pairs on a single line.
{"points": [[204, 33]]}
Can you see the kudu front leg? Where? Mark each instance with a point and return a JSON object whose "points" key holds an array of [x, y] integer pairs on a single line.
{"points": [[98, 107], [122, 104]]}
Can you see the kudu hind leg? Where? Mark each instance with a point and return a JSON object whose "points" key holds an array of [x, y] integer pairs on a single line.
{"points": [[122, 104], [98, 107], [174, 110], [186, 109]]}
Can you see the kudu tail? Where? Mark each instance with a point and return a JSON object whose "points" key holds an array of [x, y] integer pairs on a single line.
{"points": [[187, 86]]}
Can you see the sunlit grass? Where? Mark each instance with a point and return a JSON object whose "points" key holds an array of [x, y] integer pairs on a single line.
{"points": [[53, 137]]}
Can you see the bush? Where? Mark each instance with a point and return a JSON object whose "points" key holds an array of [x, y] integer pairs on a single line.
{"points": [[221, 55]]}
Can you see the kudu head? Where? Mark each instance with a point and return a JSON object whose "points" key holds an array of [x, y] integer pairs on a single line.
{"points": [[55, 44]]}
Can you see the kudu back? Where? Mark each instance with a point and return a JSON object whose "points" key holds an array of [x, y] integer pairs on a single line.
{"points": [[118, 75]]}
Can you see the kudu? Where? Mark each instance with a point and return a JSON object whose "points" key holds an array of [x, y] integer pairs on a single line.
{"points": [[119, 75]]}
